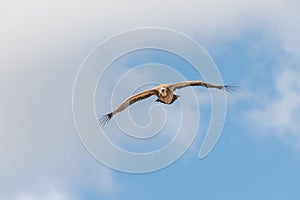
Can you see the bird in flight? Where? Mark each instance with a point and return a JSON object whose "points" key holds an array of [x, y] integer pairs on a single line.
{"points": [[165, 94]]}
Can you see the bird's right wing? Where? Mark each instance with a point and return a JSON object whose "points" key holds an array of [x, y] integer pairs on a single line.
{"points": [[127, 102]]}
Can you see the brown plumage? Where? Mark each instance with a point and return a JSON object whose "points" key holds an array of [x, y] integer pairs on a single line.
{"points": [[165, 94]]}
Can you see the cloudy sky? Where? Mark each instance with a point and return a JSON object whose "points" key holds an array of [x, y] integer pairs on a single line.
{"points": [[255, 45]]}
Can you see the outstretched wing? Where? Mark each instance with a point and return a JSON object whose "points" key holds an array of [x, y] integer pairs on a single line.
{"points": [[175, 86], [127, 102]]}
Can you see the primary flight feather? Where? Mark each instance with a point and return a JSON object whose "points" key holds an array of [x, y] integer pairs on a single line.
{"points": [[165, 94]]}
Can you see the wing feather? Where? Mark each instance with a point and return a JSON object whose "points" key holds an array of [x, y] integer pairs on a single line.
{"points": [[127, 102], [199, 83], [133, 99]]}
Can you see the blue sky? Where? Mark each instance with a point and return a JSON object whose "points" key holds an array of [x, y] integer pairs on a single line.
{"points": [[254, 44]]}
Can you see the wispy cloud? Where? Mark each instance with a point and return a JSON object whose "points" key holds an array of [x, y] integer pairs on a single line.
{"points": [[39, 145], [280, 113], [50, 193]]}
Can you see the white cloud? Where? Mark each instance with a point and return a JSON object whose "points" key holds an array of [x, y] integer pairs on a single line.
{"points": [[280, 113], [33, 24], [50, 194], [38, 139], [44, 188]]}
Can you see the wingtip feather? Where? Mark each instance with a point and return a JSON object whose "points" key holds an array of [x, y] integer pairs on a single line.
{"points": [[231, 88], [104, 119]]}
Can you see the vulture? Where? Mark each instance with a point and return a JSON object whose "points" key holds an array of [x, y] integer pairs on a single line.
{"points": [[164, 93]]}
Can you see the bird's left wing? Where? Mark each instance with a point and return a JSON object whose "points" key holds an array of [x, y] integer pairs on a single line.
{"points": [[179, 85], [127, 102]]}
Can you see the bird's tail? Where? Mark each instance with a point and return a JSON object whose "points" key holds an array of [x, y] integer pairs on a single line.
{"points": [[104, 119]]}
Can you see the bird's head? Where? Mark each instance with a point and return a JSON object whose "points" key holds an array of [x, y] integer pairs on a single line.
{"points": [[163, 92]]}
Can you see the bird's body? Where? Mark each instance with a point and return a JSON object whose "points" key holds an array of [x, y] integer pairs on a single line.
{"points": [[165, 94]]}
